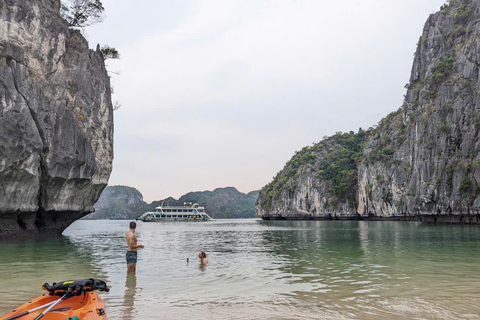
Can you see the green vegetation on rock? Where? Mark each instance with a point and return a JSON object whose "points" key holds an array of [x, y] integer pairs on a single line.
{"points": [[442, 70], [122, 202], [339, 165], [334, 160]]}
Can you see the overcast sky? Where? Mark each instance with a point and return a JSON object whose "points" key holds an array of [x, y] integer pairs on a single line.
{"points": [[222, 93]]}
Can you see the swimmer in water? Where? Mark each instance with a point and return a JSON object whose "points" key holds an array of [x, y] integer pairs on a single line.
{"points": [[203, 258]]}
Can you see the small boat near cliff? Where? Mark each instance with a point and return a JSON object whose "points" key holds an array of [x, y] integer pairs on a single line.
{"points": [[187, 212]]}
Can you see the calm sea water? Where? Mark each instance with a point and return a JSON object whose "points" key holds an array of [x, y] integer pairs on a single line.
{"points": [[260, 269]]}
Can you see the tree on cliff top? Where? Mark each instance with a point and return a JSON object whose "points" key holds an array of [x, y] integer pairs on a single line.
{"points": [[109, 52], [82, 13]]}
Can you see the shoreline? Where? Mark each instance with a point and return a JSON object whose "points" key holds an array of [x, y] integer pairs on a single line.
{"points": [[431, 219]]}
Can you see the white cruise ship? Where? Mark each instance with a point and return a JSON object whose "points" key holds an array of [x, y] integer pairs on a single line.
{"points": [[187, 212]]}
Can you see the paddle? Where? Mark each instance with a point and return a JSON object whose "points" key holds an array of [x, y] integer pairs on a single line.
{"points": [[65, 296], [30, 311]]}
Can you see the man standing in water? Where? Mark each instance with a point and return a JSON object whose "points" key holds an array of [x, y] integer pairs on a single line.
{"points": [[132, 248]]}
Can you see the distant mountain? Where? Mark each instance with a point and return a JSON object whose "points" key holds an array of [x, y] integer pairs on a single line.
{"points": [[122, 202], [221, 202], [119, 202]]}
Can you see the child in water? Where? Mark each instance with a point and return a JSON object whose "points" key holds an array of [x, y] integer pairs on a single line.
{"points": [[203, 258]]}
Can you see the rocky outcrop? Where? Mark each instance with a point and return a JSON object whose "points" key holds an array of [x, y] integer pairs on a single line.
{"points": [[121, 202], [56, 122], [319, 182], [432, 167], [420, 162]]}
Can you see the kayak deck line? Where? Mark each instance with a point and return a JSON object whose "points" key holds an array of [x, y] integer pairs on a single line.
{"points": [[88, 307]]}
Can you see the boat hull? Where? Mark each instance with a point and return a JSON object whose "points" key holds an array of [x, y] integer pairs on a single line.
{"points": [[192, 213], [176, 220], [90, 307]]}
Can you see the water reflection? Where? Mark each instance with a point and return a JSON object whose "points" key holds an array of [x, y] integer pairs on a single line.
{"points": [[323, 261], [129, 297], [25, 265], [368, 267]]}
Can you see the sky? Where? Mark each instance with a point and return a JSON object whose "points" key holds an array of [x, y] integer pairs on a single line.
{"points": [[222, 93]]}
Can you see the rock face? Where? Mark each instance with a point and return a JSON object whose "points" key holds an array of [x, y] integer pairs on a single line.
{"points": [[434, 167], [121, 202], [420, 162], [56, 121], [319, 182]]}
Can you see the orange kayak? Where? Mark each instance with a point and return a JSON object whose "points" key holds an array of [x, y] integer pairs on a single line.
{"points": [[88, 307]]}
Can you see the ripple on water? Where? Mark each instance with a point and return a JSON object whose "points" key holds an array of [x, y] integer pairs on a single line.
{"points": [[260, 269]]}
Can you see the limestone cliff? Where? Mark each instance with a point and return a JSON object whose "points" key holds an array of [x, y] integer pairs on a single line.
{"points": [[433, 169], [56, 121], [119, 202], [319, 182], [422, 161]]}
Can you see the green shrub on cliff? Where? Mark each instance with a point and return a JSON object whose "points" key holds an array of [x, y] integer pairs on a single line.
{"points": [[109, 52], [334, 160], [442, 70], [339, 167], [466, 185], [463, 12]]}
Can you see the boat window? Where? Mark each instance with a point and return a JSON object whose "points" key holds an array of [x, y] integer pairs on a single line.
{"points": [[169, 216]]}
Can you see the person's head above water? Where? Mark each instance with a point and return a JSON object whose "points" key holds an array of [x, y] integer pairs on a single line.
{"points": [[203, 258], [133, 225]]}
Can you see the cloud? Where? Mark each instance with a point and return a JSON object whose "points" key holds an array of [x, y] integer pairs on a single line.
{"points": [[218, 93]]}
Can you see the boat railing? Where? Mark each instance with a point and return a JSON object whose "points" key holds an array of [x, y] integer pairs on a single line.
{"points": [[179, 207]]}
